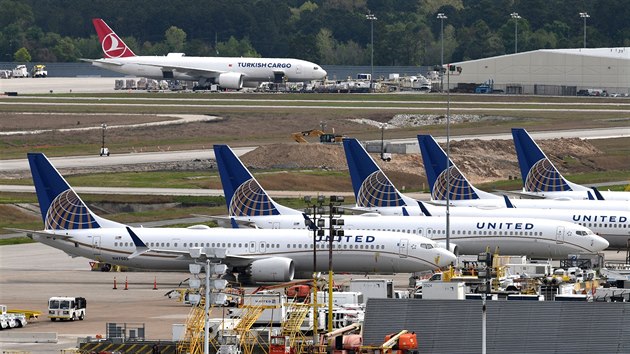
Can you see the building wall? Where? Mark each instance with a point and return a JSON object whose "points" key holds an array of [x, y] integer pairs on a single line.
{"points": [[584, 69], [454, 326]]}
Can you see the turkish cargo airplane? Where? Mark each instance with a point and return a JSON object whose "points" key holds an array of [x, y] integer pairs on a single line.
{"points": [[249, 204], [228, 73], [542, 179], [255, 255], [463, 193]]}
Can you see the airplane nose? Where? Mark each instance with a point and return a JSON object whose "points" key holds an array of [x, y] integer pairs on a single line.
{"points": [[444, 257], [324, 73], [599, 243]]}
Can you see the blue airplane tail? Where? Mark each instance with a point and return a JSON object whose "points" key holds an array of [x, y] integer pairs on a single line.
{"points": [[537, 171], [243, 194], [435, 159], [61, 207], [371, 186]]}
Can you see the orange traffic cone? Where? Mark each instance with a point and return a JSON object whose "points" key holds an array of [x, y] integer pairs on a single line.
{"points": [[126, 284], [155, 283], [115, 287]]}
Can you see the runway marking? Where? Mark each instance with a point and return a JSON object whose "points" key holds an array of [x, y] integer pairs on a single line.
{"points": [[180, 119], [467, 109]]}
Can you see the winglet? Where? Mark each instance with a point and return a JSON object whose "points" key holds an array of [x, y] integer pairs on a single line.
{"points": [[309, 222], [424, 209], [405, 212], [508, 203], [597, 193], [141, 247], [233, 223]]}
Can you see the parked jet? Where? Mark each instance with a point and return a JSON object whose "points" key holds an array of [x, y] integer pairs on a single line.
{"points": [[255, 255], [228, 73], [248, 203], [375, 192], [463, 193], [542, 179]]}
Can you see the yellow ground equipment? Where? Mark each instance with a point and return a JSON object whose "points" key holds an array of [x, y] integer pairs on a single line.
{"points": [[324, 138]]}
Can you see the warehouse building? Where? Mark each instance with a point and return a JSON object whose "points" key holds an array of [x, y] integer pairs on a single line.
{"points": [[548, 71]]}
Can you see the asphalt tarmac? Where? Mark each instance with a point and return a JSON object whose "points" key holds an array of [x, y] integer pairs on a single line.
{"points": [[32, 273]]}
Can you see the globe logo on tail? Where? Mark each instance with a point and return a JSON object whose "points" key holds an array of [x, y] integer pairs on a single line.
{"points": [[543, 177], [459, 186], [377, 191], [111, 46], [67, 212], [251, 200]]}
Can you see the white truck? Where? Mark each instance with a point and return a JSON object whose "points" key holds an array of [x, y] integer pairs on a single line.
{"points": [[20, 71], [66, 308], [11, 320]]}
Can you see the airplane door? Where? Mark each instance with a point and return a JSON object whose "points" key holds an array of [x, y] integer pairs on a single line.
{"points": [[429, 234], [403, 250], [560, 234], [252, 246], [96, 245], [263, 247], [298, 69]]}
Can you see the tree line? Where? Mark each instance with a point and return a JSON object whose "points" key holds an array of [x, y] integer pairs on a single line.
{"points": [[329, 32]]}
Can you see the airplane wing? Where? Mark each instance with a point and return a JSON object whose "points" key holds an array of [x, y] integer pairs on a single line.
{"points": [[228, 221], [197, 253], [100, 61], [30, 233], [189, 70], [519, 194]]}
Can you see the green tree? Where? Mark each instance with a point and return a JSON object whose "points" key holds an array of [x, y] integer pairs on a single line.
{"points": [[22, 55], [237, 48], [65, 50], [175, 39]]}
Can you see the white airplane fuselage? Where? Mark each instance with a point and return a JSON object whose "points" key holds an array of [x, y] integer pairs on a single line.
{"points": [[581, 195], [253, 70], [538, 238], [361, 252]]}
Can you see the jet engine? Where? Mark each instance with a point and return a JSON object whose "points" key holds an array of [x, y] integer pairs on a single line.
{"points": [[231, 81], [276, 269], [453, 247]]}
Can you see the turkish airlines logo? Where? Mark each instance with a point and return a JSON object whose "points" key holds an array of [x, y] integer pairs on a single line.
{"points": [[112, 47]]}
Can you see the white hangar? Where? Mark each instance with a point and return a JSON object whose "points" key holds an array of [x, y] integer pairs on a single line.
{"points": [[583, 68]]}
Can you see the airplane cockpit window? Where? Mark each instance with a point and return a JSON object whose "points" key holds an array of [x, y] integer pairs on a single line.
{"points": [[315, 68]]}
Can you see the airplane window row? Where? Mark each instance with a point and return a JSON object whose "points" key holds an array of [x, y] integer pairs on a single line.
{"points": [[267, 245], [620, 226]]}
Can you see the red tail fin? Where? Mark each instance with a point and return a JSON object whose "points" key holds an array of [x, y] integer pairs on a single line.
{"points": [[112, 45]]}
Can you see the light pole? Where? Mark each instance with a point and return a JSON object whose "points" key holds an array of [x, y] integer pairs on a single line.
{"points": [[333, 232], [103, 151], [317, 225], [383, 127], [515, 16], [584, 15], [370, 17], [442, 17]]}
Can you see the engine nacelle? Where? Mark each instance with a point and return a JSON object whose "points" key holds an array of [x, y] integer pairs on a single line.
{"points": [[231, 81], [276, 269], [453, 247]]}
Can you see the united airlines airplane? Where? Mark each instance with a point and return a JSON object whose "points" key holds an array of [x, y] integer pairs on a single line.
{"points": [[376, 193], [249, 204], [541, 178], [228, 73], [463, 193], [254, 255]]}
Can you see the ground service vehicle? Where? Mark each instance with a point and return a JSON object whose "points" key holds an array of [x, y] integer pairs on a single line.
{"points": [[39, 70], [324, 138], [20, 71], [66, 308], [11, 320]]}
